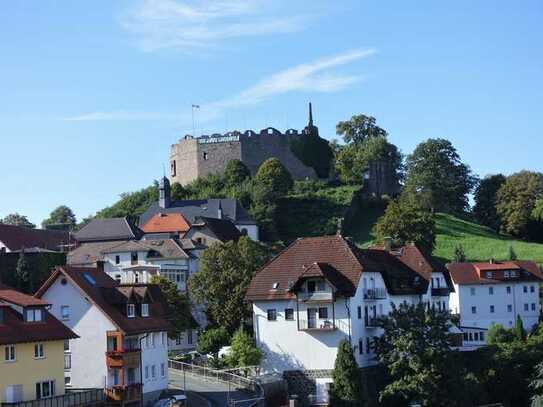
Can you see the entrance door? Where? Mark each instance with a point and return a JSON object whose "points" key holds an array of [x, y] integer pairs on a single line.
{"points": [[312, 317]]}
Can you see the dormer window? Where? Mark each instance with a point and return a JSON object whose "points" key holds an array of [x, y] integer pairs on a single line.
{"points": [[130, 310], [33, 315], [506, 274], [489, 274], [275, 286], [144, 310]]}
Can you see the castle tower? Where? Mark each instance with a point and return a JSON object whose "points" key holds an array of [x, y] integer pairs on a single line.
{"points": [[164, 194], [311, 129]]}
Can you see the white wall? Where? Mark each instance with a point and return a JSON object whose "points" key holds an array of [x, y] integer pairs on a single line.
{"points": [[252, 230], [155, 353], [86, 320]]}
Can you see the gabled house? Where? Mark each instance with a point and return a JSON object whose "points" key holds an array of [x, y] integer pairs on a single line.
{"points": [[108, 230], [16, 238], [123, 328], [32, 343]]}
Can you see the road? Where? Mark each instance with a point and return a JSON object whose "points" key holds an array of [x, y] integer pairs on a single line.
{"points": [[207, 393]]}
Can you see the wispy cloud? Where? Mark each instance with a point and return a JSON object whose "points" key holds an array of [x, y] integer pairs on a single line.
{"points": [[200, 24], [316, 76]]}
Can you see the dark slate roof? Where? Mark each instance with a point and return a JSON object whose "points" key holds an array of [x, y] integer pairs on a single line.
{"points": [[89, 252], [17, 237], [224, 229], [112, 298], [108, 229], [156, 248], [191, 209]]}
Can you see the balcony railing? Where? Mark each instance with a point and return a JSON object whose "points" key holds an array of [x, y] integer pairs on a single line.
{"points": [[440, 292], [130, 392], [316, 296], [126, 358], [316, 325], [371, 322], [375, 293]]}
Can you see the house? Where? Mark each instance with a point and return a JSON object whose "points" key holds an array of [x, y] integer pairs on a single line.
{"points": [[321, 290], [123, 333], [15, 238], [192, 209], [32, 343], [108, 230], [494, 292]]}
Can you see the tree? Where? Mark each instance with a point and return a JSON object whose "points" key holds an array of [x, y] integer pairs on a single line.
{"points": [[178, 192], [17, 220], [359, 129], [314, 152], [497, 334], [404, 221], [537, 387], [226, 269], [516, 202], [179, 313], [353, 159], [459, 255], [346, 388], [212, 340], [274, 177], [23, 273], [236, 172], [520, 333], [415, 348], [486, 194], [243, 352], [438, 178], [61, 216], [512, 253]]}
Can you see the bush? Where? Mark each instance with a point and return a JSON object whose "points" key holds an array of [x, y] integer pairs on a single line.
{"points": [[243, 352]]}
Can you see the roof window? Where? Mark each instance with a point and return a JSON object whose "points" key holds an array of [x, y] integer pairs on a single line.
{"points": [[275, 285], [90, 279]]}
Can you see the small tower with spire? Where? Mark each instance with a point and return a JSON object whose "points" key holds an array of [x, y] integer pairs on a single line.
{"points": [[164, 194], [311, 129]]}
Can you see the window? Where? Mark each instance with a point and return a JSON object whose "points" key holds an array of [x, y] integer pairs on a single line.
{"points": [[67, 380], [489, 274], [39, 352], [323, 312], [508, 289], [152, 339], [360, 346], [289, 314], [359, 311], [130, 310], [506, 274], [67, 361], [65, 312], [311, 286], [118, 278], [474, 310], [162, 370], [321, 286], [173, 168], [466, 338], [472, 290], [513, 273], [66, 345], [525, 288], [189, 336], [476, 336], [147, 372], [272, 315], [153, 371], [533, 306], [45, 389], [525, 307], [144, 310], [117, 259], [136, 277], [164, 340], [509, 308], [482, 336], [33, 315], [205, 156], [490, 290], [368, 345], [134, 257], [532, 289], [492, 309], [9, 353]]}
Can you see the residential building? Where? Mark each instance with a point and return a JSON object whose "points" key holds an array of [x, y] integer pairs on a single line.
{"points": [[494, 292], [16, 238], [321, 290], [31, 348], [108, 230], [229, 209], [123, 333]]}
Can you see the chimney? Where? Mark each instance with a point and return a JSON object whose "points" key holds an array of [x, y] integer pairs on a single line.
{"points": [[219, 211], [387, 242]]}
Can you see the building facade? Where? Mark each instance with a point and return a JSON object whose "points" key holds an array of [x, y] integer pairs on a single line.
{"points": [[123, 343], [32, 343]]}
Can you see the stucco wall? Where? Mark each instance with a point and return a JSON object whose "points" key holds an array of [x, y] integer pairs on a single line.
{"points": [[155, 353]]}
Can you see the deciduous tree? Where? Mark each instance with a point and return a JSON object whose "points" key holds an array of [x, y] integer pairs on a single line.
{"points": [[17, 220], [359, 128], [236, 172], [486, 195], [243, 352], [212, 340], [273, 176], [61, 217]]}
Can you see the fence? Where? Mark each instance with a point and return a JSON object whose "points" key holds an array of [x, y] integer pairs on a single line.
{"points": [[74, 398], [234, 381]]}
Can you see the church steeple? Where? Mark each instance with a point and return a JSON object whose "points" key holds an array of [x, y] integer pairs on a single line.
{"points": [[310, 124], [164, 196], [311, 129]]}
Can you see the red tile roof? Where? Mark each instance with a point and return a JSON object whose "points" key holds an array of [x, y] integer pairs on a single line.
{"points": [[470, 273], [13, 329], [112, 298], [166, 222], [15, 297], [17, 237], [338, 259]]}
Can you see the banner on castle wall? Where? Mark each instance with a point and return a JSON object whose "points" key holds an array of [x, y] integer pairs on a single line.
{"points": [[217, 139]]}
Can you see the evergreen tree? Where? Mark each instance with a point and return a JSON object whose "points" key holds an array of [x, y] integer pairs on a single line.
{"points": [[459, 255], [520, 333], [537, 387], [346, 388], [22, 272]]}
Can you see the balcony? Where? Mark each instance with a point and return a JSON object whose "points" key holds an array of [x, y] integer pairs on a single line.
{"points": [[316, 325], [375, 294], [371, 322], [440, 292], [124, 394], [315, 296], [129, 358]]}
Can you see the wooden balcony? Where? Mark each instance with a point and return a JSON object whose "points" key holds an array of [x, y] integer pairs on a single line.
{"points": [[124, 394], [440, 292], [125, 358]]}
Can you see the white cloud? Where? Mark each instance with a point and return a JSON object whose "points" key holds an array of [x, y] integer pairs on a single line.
{"points": [[310, 77], [201, 24]]}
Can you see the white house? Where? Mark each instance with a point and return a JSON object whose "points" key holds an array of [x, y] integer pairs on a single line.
{"points": [[494, 292], [321, 290], [123, 333]]}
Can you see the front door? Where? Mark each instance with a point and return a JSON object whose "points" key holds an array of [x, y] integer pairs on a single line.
{"points": [[312, 318]]}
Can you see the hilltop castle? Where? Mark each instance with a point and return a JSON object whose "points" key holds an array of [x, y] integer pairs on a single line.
{"points": [[194, 157]]}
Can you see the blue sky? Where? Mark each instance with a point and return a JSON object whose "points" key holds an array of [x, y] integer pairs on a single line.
{"points": [[92, 94]]}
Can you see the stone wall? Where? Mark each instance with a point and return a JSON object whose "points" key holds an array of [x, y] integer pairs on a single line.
{"points": [[184, 161], [213, 157]]}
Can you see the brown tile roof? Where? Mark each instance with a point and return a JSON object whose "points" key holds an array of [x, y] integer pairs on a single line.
{"points": [[334, 256], [156, 248], [111, 298], [89, 252], [470, 273], [12, 296], [17, 237], [13, 329], [166, 222]]}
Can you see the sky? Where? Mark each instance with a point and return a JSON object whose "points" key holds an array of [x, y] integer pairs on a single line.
{"points": [[92, 94]]}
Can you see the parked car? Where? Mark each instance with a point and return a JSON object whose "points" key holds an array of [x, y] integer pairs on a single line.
{"points": [[178, 400]]}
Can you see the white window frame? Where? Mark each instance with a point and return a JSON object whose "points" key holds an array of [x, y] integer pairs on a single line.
{"points": [[162, 370], [32, 313], [39, 351], [144, 310], [10, 353], [153, 372], [51, 389], [131, 310], [63, 315]]}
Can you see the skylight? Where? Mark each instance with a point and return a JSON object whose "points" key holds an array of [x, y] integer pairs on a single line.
{"points": [[90, 279]]}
